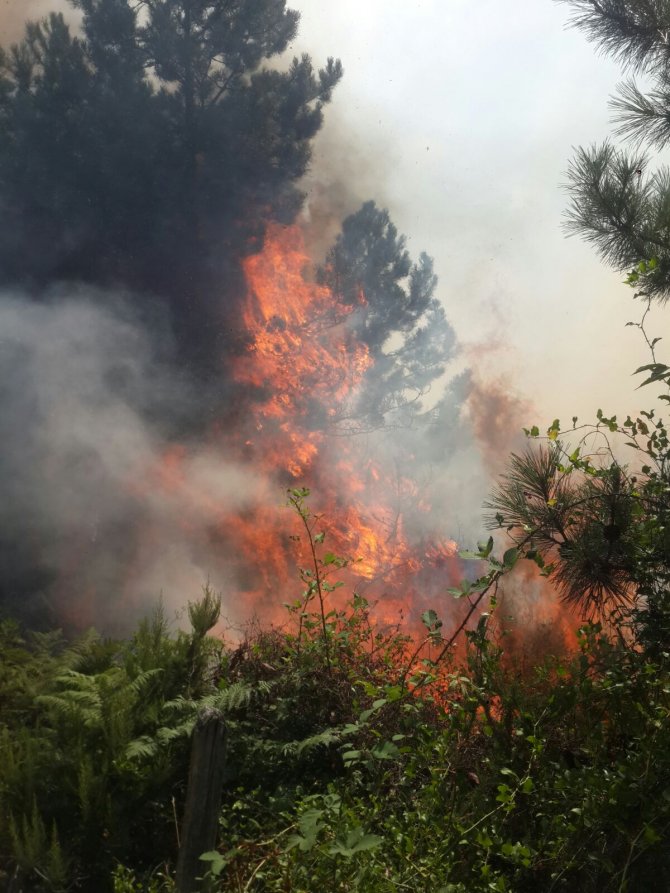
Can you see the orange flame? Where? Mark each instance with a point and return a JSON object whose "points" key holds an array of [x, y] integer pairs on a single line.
{"points": [[301, 371], [300, 354], [306, 367]]}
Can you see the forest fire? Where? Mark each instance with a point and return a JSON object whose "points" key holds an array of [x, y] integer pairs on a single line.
{"points": [[240, 646], [301, 373], [213, 507], [307, 366]]}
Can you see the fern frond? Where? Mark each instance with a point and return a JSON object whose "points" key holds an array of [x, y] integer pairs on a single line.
{"points": [[167, 734], [326, 738], [81, 707], [141, 682], [179, 706], [143, 748], [239, 695]]}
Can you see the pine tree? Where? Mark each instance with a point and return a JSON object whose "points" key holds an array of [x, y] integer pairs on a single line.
{"points": [[148, 149], [398, 317], [618, 201]]}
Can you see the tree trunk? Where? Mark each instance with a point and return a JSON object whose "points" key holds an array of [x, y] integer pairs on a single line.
{"points": [[203, 799]]}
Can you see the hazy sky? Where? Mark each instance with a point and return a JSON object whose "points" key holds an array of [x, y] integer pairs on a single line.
{"points": [[461, 117]]}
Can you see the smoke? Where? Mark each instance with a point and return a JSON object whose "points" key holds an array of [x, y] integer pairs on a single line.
{"points": [[341, 175], [14, 15], [89, 518], [496, 415], [107, 503]]}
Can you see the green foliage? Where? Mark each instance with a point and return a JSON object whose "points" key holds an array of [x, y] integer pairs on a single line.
{"points": [[35, 851], [76, 783], [124, 880], [353, 763], [536, 784], [615, 203], [598, 529]]}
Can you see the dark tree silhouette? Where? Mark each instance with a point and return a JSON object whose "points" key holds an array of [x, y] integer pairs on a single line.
{"points": [[151, 148]]}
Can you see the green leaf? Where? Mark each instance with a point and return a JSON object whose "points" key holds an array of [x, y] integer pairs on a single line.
{"points": [[309, 825], [468, 555], [351, 756], [651, 835], [387, 751], [429, 619], [510, 558], [216, 860], [356, 841], [485, 550]]}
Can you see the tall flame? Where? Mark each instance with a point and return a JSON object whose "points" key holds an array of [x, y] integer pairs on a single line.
{"points": [[301, 356], [306, 367]]}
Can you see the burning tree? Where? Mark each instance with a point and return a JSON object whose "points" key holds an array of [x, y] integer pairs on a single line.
{"points": [[400, 321], [158, 150], [148, 149]]}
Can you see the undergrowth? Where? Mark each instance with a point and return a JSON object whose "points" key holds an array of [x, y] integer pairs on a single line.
{"points": [[354, 761]]}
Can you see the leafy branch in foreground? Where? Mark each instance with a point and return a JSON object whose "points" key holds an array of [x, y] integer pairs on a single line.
{"points": [[597, 529]]}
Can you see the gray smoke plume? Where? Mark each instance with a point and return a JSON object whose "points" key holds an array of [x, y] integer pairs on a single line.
{"points": [[88, 401]]}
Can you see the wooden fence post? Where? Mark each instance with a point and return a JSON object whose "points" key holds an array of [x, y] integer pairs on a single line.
{"points": [[203, 799]]}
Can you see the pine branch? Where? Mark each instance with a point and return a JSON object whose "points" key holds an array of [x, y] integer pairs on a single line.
{"points": [[623, 213], [636, 33], [643, 118]]}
